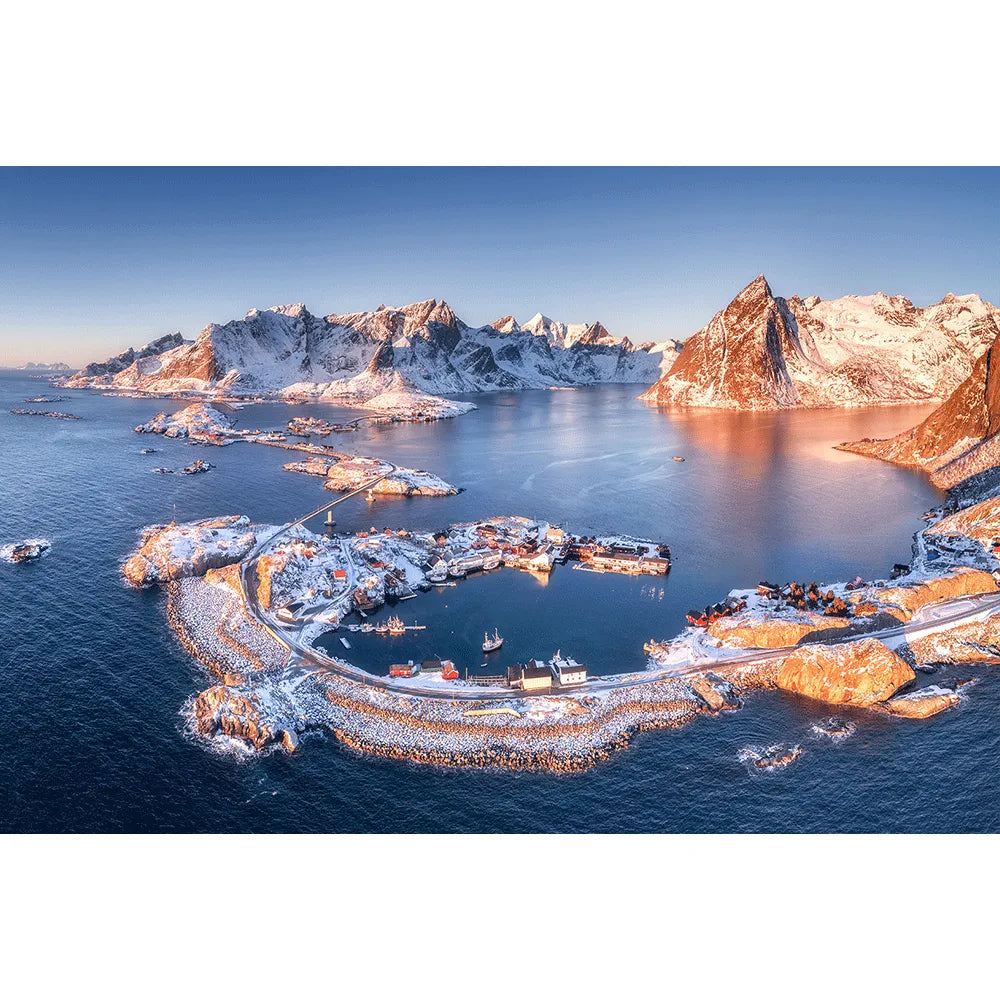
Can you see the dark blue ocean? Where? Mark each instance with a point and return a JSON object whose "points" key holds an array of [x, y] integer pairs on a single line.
{"points": [[92, 682]]}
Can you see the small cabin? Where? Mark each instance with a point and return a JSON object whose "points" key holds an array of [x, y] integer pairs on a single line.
{"points": [[407, 669], [535, 677], [566, 670]]}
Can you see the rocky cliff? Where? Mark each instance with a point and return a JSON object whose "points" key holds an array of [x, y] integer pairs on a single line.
{"points": [[175, 551], [764, 352], [863, 673], [959, 439]]}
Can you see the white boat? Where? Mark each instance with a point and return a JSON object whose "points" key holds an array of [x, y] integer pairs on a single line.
{"points": [[494, 643], [395, 626]]}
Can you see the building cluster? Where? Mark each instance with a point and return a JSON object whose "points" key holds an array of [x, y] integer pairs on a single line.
{"points": [[541, 675], [446, 668], [620, 557]]}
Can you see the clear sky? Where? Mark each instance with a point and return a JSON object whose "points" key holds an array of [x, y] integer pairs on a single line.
{"points": [[95, 260]]}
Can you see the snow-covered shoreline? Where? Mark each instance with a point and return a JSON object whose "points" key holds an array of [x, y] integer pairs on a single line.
{"points": [[272, 700]]}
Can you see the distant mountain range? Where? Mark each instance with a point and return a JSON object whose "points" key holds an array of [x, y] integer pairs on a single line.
{"points": [[764, 352], [42, 366], [287, 350]]}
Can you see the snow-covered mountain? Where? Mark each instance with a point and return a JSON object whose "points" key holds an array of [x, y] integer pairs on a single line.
{"points": [[764, 352], [286, 349], [45, 366], [961, 438]]}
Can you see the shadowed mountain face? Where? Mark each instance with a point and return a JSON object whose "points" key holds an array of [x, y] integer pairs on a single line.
{"points": [[288, 349], [960, 438], [763, 352]]}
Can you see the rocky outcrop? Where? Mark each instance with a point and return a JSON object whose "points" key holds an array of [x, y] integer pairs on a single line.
{"points": [[200, 421], [226, 711], [755, 632], [973, 642], [27, 551], [862, 673], [904, 602], [174, 551], [763, 352], [922, 704], [959, 439]]}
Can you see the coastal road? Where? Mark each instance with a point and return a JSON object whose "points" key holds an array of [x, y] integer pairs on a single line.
{"points": [[928, 619]]}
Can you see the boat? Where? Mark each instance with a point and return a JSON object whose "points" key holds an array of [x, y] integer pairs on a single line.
{"points": [[382, 628], [491, 562], [368, 627], [494, 643], [677, 458], [370, 496], [456, 571], [395, 626]]}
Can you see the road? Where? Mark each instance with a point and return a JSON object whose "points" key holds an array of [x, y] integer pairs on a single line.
{"points": [[930, 618]]}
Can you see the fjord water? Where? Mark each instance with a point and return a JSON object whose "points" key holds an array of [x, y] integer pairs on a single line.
{"points": [[93, 683]]}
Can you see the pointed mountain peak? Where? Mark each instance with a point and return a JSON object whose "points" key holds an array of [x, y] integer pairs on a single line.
{"points": [[758, 288], [505, 324], [596, 333]]}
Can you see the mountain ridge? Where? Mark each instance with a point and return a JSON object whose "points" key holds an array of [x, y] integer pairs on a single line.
{"points": [[289, 350]]}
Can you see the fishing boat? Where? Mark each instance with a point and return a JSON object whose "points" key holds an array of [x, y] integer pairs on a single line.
{"points": [[370, 496], [395, 626], [367, 627], [678, 458], [490, 644], [382, 628]]}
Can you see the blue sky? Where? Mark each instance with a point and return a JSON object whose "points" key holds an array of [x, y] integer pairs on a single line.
{"points": [[95, 260]]}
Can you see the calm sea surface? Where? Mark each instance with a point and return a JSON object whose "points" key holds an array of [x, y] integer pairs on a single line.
{"points": [[92, 682]]}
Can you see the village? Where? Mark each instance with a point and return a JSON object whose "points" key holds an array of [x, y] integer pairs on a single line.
{"points": [[310, 585]]}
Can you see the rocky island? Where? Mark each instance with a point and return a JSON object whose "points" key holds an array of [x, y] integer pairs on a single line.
{"points": [[54, 414], [26, 551], [205, 423]]}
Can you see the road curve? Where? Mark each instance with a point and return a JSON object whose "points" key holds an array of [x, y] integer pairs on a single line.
{"points": [[932, 618]]}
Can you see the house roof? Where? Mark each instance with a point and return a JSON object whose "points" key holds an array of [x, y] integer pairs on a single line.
{"points": [[534, 673]]}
